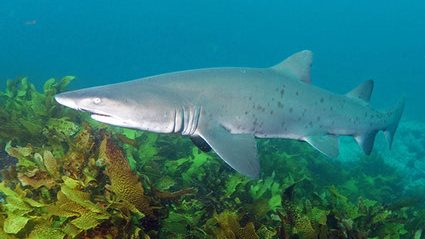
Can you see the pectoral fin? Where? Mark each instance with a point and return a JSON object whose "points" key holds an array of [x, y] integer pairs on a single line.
{"points": [[237, 150], [326, 144], [200, 143]]}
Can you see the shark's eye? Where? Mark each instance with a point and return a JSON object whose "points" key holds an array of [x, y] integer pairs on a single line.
{"points": [[97, 100]]}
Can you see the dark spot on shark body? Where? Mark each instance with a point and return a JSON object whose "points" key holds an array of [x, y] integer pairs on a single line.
{"points": [[291, 110], [260, 108], [279, 104], [322, 100]]}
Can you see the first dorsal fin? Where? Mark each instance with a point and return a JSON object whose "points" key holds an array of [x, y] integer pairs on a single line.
{"points": [[363, 91], [298, 65]]}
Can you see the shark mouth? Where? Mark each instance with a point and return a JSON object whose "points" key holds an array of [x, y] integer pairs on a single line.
{"points": [[102, 115], [97, 116], [108, 119]]}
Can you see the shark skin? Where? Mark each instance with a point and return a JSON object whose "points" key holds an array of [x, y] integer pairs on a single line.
{"points": [[227, 108]]}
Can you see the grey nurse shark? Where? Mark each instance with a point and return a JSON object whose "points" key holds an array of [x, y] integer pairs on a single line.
{"points": [[227, 108]]}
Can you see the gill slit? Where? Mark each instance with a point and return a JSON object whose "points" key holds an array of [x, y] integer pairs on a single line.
{"points": [[175, 120], [186, 120]]}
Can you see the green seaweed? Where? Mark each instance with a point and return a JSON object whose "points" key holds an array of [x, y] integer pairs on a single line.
{"points": [[72, 177], [25, 111]]}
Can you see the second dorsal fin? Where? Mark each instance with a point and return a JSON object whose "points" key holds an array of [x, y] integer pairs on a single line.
{"points": [[363, 91], [297, 65]]}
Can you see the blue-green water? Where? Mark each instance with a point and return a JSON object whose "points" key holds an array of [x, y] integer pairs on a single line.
{"points": [[103, 42]]}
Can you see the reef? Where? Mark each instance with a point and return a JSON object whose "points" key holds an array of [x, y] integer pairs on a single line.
{"points": [[66, 176]]}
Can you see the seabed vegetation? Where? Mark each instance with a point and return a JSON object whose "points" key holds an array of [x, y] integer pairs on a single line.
{"points": [[65, 176]]}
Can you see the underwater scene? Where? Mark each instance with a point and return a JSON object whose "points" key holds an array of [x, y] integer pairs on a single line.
{"points": [[240, 155]]}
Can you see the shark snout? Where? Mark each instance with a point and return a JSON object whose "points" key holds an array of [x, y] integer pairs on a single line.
{"points": [[66, 101]]}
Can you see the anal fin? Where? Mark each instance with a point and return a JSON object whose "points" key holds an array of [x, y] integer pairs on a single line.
{"points": [[366, 141], [326, 144], [237, 150]]}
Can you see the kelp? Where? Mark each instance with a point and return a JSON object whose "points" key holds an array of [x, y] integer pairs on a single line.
{"points": [[66, 176], [90, 196], [123, 182], [332, 215], [29, 115], [69, 204], [226, 225]]}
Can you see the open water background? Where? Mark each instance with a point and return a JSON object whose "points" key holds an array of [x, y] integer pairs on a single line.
{"points": [[104, 42]]}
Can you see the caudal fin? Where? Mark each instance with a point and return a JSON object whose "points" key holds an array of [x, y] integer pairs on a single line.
{"points": [[367, 139], [392, 126]]}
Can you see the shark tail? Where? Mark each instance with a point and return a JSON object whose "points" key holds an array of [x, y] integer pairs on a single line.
{"points": [[394, 122], [366, 141]]}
